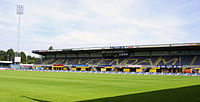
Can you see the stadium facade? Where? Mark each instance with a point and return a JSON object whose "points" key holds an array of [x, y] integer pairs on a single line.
{"points": [[165, 58]]}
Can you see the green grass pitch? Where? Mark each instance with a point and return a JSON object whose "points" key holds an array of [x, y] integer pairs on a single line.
{"points": [[21, 86]]}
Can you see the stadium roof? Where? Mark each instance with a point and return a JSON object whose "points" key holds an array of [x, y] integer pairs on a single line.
{"points": [[176, 46], [6, 62]]}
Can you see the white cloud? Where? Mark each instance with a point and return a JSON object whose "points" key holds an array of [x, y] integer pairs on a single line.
{"points": [[1, 26], [85, 23]]}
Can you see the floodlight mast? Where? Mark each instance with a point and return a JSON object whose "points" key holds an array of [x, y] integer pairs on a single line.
{"points": [[20, 10]]}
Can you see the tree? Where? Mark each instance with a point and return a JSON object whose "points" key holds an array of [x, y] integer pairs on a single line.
{"points": [[10, 54], [23, 57], [2, 55], [29, 57], [51, 48]]}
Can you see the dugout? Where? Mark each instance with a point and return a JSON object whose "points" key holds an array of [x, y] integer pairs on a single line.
{"points": [[118, 69], [154, 70], [187, 70], [175, 70], [58, 67], [83, 69], [129, 69], [79, 68], [109, 68], [125, 69], [104, 69], [132, 69], [198, 70]]}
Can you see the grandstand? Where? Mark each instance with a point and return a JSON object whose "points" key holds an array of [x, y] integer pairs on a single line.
{"points": [[165, 58]]}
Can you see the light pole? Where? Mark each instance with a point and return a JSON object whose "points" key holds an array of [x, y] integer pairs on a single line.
{"points": [[20, 9]]}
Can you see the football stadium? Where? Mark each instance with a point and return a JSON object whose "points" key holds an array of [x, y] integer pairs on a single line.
{"points": [[163, 58], [140, 73], [164, 68]]}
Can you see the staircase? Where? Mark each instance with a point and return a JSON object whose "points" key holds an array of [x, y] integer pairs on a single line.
{"points": [[146, 70], [157, 61], [70, 68], [196, 71], [94, 69], [193, 60]]}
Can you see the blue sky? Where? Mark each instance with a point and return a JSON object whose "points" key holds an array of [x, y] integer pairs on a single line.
{"points": [[93, 23]]}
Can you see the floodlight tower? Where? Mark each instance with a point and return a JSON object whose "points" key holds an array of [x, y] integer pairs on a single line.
{"points": [[20, 10]]}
